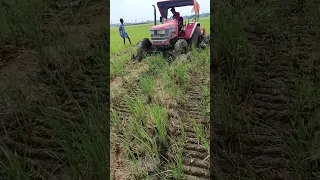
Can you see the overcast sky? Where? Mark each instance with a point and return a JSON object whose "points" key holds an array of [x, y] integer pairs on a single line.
{"points": [[142, 10]]}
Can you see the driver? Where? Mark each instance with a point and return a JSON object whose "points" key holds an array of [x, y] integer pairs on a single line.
{"points": [[176, 15]]}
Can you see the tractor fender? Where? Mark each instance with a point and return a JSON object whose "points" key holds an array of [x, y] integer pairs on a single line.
{"points": [[190, 29]]}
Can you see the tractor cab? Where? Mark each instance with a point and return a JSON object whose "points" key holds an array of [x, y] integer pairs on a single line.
{"points": [[170, 29]]}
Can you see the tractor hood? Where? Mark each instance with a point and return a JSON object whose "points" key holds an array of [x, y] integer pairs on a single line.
{"points": [[168, 24]]}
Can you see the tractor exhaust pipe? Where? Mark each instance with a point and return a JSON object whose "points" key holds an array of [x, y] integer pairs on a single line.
{"points": [[155, 15]]}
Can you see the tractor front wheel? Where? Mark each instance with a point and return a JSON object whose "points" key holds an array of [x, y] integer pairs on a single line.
{"points": [[143, 48], [180, 47]]}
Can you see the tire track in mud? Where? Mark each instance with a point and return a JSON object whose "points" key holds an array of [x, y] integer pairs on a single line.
{"points": [[273, 100], [272, 107], [123, 114], [119, 104], [196, 160], [32, 139]]}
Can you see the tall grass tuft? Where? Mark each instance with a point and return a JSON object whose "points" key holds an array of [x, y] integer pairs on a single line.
{"points": [[160, 118]]}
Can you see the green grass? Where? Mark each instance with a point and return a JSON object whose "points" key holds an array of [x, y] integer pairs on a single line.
{"points": [[201, 135], [68, 116]]}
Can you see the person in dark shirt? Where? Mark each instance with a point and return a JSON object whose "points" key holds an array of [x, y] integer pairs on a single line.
{"points": [[176, 15]]}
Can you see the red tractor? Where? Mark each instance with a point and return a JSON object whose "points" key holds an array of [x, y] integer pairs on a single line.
{"points": [[173, 34]]}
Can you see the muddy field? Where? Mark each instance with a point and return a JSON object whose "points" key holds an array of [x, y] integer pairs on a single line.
{"points": [[266, 91], [54, 90]]}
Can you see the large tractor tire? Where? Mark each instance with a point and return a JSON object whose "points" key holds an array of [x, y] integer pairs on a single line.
{"points": [[205, 41], [143, 48], [195, 38], [180, 47]]}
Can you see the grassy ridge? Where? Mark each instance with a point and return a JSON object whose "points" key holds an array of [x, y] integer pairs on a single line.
{"points": [[145, 102]]}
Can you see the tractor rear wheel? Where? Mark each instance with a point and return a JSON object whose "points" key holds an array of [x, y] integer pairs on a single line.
{"points": [[180, 47], [205, 41], [195, 38], [143, 48]]}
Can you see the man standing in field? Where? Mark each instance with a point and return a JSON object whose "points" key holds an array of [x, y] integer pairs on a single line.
{"points": [[123, 32]]}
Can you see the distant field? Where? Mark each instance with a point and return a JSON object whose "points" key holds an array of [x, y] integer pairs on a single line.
{"points": [[137, 33]]}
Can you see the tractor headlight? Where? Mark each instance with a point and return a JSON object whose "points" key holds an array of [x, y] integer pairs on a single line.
{"points": [[161, 32], [151, 32]]}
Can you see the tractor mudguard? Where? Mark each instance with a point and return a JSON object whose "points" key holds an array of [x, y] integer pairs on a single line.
{"points": [[190, 29]]}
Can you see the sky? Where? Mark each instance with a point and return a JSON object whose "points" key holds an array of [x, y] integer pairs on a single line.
{"points": [[142, 10]]}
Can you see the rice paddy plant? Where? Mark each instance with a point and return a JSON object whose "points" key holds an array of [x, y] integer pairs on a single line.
{"points": [[117, 65], [140, 146], [157, 65], [174, 91], [147, 84], [160, 118], [26, 17], [84, 140], [230, 42], [80, 11], [114, 118], [137, 108], [138, 130], [5, 27], [181, 76], [224, 110], [177, 168], [205, 101], [127, 146], [14, 167], [201, 135]]}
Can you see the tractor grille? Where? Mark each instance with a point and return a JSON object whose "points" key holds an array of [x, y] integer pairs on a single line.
{"points": [[157, 38], [160, 38], [157, 33]]}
